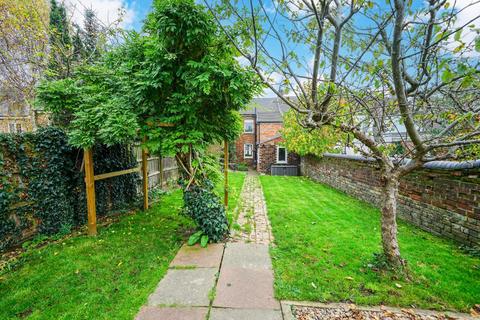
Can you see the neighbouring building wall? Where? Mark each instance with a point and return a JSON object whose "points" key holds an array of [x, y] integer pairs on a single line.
{"points": [[25, 122], [244, 139], [443, 202]]}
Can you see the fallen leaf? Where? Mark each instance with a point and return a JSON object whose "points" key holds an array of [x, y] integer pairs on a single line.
{"points": [[475, 311], [349, 278], [398, 285], [313, 285]]}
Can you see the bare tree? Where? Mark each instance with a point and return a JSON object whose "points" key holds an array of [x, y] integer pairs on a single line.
{"points": [[23, 51], [403, 68]]}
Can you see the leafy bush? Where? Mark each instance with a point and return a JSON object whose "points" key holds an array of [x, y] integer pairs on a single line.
{"points": [[206, 209], [242, 167]]}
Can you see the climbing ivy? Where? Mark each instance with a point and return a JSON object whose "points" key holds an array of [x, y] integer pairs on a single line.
{"points": [[42, 189]]}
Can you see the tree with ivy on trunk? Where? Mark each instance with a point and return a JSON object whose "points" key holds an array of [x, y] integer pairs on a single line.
{"points": [[371, 70], [176, 86]]}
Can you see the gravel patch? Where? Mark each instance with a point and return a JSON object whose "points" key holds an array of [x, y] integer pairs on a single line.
{"points": [[354, 313]]}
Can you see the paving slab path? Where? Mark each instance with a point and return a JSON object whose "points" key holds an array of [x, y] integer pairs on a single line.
{"points": [[227, 281]]}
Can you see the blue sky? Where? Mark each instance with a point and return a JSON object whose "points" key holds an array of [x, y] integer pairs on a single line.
{"points": [[132, 12], [135, 11], [141, 8]]}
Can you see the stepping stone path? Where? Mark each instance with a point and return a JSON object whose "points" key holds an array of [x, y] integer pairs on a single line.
{"points": [[227, 281], [252, 224]]}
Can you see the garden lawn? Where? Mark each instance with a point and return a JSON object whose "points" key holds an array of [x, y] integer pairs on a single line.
{"points": [[105, 277], [325, 241], [235, 184]]}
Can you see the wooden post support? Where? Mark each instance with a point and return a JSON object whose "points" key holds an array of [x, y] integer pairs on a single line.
{"points": [[90, 188], [145, 176], [225, 169]]}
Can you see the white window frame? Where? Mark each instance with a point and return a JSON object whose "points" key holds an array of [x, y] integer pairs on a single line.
{"points": [[244, 125], [286, 155], [245, 156]]}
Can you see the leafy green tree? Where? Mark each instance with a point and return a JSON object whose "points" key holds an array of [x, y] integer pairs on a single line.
{"points": [[60, 41], [91, 35], [77, 43], [304, 141], [177, 85]]}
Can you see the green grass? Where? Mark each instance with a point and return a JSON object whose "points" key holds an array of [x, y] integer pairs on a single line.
{"points": [[325, 241], [235, 184], [105, 277]]}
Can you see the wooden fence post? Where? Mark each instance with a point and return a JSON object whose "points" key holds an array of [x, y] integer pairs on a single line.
{"points": [[225, 169], [145, 176], [161, 171], [90, 190]]}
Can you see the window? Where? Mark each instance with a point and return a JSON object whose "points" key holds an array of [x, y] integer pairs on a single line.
{"points": [[281, 154], [15, 127], [248, 126], [248, 150]]}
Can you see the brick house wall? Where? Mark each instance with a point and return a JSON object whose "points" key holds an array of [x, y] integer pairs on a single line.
{"points": [[267, 131], [268, 156], [243, 139], [443, 202]]}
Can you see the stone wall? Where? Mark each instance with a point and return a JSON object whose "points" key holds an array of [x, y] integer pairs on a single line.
{"points": [[442, 201], [25, 122]]}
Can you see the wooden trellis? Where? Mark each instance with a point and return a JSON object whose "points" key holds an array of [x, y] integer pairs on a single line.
{"points": [[90, 179]]}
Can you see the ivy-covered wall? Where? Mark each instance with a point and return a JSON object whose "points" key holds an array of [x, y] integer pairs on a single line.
{"points": [[42, 188]]}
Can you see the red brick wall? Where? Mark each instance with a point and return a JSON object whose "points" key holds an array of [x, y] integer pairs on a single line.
{"points": [[443, 202], [267, 131], [243, 139], [268, 156]]}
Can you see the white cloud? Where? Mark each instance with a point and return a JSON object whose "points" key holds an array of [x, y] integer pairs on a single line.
{"points": [[468, 10], [243, 61], [107, 11], [275, 79]]}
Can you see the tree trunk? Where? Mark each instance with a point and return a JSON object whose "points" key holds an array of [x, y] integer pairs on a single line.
{"points": [[391, 249]]}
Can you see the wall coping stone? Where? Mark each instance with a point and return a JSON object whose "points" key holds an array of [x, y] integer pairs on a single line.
{"points": [[441, 165]]}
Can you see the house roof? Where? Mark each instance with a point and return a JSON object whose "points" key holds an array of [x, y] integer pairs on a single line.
{"points": [[267, 109], [271, 139]]}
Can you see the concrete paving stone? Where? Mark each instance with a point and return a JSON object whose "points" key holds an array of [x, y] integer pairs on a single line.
{"points": [[244, 314], [209, 257], [159, 313], [247, 255], [184, 287], [245, 288]]}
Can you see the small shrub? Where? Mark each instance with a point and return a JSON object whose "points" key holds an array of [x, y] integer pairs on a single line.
{"points": [[242, 167], [206, 209]]}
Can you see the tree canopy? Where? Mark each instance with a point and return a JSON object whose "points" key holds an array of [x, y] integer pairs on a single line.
{"points": [[373, 70], [179, 71]]}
